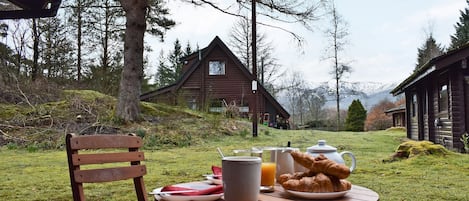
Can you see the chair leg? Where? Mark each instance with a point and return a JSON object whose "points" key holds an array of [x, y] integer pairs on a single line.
{"points": [[140, 189]]}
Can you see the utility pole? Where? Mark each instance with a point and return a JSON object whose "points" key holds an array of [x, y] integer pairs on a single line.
{"points": [[254, 70]]}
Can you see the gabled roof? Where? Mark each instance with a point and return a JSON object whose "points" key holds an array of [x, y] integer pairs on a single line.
{"points": [[202, 54], [436, 63], [400, 108], [17, 9]]}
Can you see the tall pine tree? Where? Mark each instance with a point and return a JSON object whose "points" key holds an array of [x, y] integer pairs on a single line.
{"points": [[428, 51], [170, 69], [175, 61], [461, 37], [164, 73]]}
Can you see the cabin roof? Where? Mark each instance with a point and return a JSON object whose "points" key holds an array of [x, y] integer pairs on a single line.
{"points": [[429, 67], [18, 9]]}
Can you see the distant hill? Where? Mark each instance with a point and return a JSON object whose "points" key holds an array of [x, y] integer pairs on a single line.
{"points": [[369, 93]]}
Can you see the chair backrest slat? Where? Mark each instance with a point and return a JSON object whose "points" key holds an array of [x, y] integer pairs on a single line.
{"points": [[86, 159], [105, 141], [109, 174], [123, 150]]}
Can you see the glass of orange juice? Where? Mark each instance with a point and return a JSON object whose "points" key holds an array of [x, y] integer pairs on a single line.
{"points": [[268, 169], [268, 174]]}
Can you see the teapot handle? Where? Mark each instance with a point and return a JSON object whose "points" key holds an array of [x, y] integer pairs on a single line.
{"points": [[351, 156]]}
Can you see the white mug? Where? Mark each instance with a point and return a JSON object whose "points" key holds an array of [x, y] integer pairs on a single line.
{"points": [[241, 177]]}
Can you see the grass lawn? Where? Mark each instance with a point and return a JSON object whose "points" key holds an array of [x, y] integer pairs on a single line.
{"points": [[43, 175]]}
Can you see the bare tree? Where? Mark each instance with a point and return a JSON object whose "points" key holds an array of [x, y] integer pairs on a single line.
{"points": [[304, 12], [337, 35], [240, 41], [295, 85], [20, 36]]}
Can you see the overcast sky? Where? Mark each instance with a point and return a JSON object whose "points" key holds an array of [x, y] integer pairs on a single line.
{"points": [[383, 36]]}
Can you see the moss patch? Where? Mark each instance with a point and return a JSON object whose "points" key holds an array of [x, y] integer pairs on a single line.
{"points": [[412, 148]]}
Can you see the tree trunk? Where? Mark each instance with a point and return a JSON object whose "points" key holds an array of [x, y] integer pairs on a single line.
{"points": [[132, 75], [79, 40], [35, 66]]}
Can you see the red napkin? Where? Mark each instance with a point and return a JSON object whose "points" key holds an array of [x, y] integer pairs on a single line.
{"points": [[216, 170], [217, 189]]}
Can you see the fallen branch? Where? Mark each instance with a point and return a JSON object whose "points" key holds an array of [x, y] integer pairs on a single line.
{"points": [[12, 137]]}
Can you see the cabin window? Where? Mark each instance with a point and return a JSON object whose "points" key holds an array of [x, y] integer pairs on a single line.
{"points": [[216, 68], [414, 105], [443, 98], [217, 105]]}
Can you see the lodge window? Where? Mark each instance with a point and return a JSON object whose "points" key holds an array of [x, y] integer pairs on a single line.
{"points": [[216, 68], [217, 105], [414, 105], [443, 98]]}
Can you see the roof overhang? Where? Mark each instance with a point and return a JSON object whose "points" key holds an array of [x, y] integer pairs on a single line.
{"points": [[412, 81], [19, 9]]}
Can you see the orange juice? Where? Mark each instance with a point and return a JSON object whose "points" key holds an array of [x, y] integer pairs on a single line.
{"points": [[268, 174]]}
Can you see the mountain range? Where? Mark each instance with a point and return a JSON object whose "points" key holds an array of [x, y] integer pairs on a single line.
{"points": [[369, 93]]}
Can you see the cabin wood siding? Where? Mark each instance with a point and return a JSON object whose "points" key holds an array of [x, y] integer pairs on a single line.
{"points": [[412, 124], [233, 86], [458, 111], [442, 124]]}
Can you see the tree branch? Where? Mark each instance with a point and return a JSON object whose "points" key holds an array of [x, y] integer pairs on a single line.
{"points": [[282, 9]]}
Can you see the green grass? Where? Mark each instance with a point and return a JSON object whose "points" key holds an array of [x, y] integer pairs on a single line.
{"points": [[43, 175]]}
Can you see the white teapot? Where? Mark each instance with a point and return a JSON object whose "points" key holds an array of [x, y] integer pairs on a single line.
{"points": [[331, 153]]}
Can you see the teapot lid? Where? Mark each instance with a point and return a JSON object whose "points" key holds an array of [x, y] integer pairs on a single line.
{"points": [[321, 147]]}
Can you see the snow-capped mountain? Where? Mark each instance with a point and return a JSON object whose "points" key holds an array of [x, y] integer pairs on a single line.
{"points": [[369, 93]]}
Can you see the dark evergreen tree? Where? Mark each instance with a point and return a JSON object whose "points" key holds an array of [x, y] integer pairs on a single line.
{"points": [[170, 68], [188, 50], [164, 73], [428, 51], [175, 61], [461, 37], [356, 117], [55, 49]]}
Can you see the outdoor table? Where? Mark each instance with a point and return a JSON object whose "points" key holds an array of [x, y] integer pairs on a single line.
{"points": [[357, 193]]}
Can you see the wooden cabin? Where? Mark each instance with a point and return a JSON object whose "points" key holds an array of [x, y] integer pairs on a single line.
{"points": [[213, 79], [437, 99], [398, 116]]}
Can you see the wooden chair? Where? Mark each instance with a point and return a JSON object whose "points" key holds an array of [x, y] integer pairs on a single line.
{"points": [[79, 176]]}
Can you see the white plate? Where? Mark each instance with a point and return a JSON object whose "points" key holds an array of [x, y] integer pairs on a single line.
{"points": [[309, 195], [193, 185], [213, 180]]}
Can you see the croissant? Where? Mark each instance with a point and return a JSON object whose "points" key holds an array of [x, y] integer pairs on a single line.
{"points": [[320, 183], [297, 175], [321, 164]]}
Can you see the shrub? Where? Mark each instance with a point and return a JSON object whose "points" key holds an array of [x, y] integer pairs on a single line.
{"points": [[355, 117]]}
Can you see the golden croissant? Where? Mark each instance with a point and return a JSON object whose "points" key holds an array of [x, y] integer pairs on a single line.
{"points": [[321, 164], [320, 183]]}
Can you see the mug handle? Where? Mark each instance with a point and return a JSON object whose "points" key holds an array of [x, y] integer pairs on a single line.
{"points": [[351, 156]]}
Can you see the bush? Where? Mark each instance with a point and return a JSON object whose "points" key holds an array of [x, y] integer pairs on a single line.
{"points": [[377, 118], [355, 117]]}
